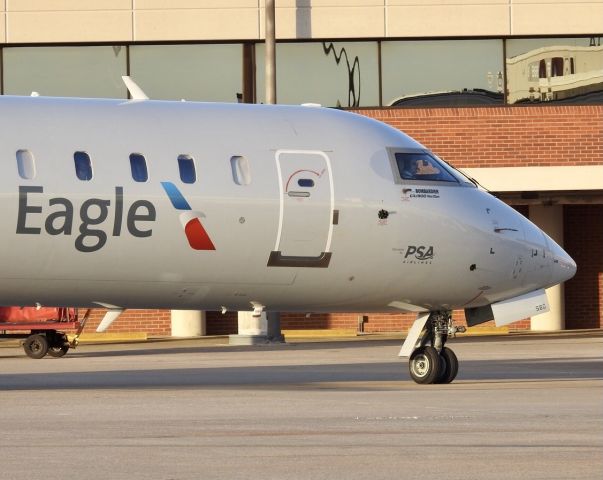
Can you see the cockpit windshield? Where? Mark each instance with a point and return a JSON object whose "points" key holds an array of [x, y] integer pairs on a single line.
{"points": [[422, 166]]}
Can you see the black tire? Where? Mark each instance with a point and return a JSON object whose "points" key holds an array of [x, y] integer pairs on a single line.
{"points": [[424, 365], [36, 346], [58, 352], [58, 345], [450, 366]]}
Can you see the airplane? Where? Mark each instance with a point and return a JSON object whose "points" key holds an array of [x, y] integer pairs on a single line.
{"points": [[141, 203]]}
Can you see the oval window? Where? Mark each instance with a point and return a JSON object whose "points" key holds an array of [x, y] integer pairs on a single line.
{"points": [[138, 165], [83, 166], [186, 166], [240, 170], [26, 164]]}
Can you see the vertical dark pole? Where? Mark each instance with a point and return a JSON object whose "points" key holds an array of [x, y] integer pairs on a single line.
{"points": [[274, 334], [505, 80], [1, 71], [128, 96], [380, 67], [248, 73], [270, 53]]}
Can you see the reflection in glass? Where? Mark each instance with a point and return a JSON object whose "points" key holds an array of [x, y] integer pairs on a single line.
{"points": [[333, 74], [442, 72], [83, 166], [421, 166], [90, 71], [26, 164], [138, 166], [209, 73], [555, 69], [241, 175], [186, 167]]}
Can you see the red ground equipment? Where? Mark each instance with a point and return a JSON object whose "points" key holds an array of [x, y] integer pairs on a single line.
{"points": [[46, 327]]}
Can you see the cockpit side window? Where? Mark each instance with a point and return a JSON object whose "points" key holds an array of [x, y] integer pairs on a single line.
{"points": [[422, 166]]}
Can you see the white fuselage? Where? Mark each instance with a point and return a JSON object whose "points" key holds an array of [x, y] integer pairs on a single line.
{"points": [[288, 197]]}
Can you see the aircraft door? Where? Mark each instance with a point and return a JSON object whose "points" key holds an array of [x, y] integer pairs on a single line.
{"points": [[306, 210]]}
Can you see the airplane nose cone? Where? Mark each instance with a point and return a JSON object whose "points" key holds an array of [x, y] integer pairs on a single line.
{"points": [[563, 266]]}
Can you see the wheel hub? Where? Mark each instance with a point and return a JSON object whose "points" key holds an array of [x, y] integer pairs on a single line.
{"points": [[421, 365]]}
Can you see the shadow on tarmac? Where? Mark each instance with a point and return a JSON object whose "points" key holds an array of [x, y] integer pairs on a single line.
{"points": [[302, 376], [156, 347]]}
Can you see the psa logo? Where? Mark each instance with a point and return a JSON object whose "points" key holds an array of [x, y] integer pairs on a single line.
{"points": [[94, 212], [418, 254]]}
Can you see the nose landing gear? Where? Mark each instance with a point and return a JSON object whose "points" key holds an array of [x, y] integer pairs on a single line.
{"points": [[431, 361]]}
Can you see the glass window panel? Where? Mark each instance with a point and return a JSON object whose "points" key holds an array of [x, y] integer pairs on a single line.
{"points": [[212, 73], [26, 164], [442, 72], [240, 170], [332, 74], [186, 166], [421, 166], [83, 166], [138, 165], [568, 70], [91, 71]]}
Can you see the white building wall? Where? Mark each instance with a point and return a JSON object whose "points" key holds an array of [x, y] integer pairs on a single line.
{"points": [[41, 21]]}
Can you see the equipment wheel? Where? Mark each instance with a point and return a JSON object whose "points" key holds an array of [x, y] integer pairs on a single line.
{"points": [[35, 346], [450, 366], [58, 351], [58, 345], [424, 365]]}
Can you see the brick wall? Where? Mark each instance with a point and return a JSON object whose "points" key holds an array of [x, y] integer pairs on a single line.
{"points": [[153, 322], [519, 136], [475, 137]]}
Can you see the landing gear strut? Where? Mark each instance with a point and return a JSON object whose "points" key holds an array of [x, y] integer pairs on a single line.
{"points": [[431, 361]]}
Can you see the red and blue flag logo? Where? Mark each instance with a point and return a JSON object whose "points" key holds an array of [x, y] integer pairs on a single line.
{"points": [[195, 233]]}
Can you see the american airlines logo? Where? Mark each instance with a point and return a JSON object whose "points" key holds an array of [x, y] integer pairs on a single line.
{"points": [[94, 212], [196, 235]]}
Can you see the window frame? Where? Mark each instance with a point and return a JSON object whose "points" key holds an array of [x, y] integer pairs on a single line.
{"points": [[138, 155], [189, 158], [89, 164], [399, 180], [240, 170], [23, 155]]}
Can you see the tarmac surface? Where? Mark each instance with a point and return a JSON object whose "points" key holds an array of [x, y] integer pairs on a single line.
{"points": [[522, 407]]}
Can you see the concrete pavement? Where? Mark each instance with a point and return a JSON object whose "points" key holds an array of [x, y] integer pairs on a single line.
{"points": [[528, 407]]}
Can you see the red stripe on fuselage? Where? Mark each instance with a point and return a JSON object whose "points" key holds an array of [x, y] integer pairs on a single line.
{"points": [[197, 236]]}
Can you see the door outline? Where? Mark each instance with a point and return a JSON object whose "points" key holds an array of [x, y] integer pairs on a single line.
{"points": [[277, 259]]}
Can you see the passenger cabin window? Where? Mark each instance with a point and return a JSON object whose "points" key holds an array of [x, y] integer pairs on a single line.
{"points": [[83, 166], [186, 166], [26, 164], [422, 166], [138, 165], [241, 174]]}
